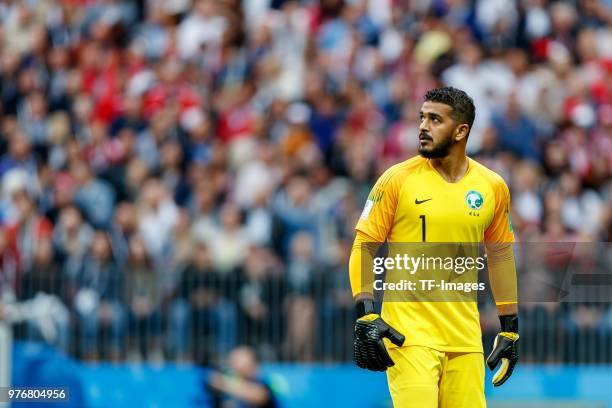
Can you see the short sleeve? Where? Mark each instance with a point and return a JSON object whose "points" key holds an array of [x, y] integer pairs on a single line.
{"points": [[500, 229], [378, 214]]}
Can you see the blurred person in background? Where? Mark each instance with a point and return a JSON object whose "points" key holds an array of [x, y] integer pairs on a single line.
{"points": [[202, 319], [143, 294], [157, 216], [260, 293], [160, 130], [515, 131], [292, 212], [229, 243], [203, 211], [94, 196], [171, 168], [42, 293], [19, 156], [527, 204], [123, 228], [183, 245], [203, 25], [135, 175], [30, 229], [303, 279], [99, 302], [197, 126], [242, 386], [336, 307], [8, 269], [581, 208], [9, 279], [72, 237], [583, 323], [33, 118]]}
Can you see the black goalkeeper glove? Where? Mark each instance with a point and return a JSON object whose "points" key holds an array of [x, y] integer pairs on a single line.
{"points": [[504, 349], [370, 329]]}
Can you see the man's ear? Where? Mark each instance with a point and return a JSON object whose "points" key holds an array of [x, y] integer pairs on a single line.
{"points": [[461, 132]]}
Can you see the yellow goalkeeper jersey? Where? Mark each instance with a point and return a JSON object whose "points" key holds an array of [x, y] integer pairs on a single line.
{"points": [[411, 202]]}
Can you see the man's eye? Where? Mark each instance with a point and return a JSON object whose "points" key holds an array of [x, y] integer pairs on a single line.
{"points": [[436, 120]]}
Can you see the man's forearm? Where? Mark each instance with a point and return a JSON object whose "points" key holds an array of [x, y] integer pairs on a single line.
{"points": [[362, 278], [502, 277]]}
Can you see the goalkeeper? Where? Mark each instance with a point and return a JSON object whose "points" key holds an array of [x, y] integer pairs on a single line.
{"points": [[432, 351]]}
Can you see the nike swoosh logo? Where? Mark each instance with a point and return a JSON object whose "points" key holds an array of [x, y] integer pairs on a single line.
{"points": [[417, 201]]}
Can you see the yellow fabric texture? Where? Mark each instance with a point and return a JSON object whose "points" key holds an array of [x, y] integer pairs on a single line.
{"points": [[423, 377], [361, 283], [369, 317], [412, 194], [502, 273]]}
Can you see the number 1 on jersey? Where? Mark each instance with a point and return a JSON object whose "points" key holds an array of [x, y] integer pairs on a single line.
{"points": [[423, 231]]}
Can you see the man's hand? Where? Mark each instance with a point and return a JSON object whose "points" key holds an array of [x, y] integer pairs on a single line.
{"points": [[504, 349], [370, 329]]}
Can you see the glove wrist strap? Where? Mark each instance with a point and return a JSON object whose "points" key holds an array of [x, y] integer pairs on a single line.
{"points": [[364, 307], [509, 323]]}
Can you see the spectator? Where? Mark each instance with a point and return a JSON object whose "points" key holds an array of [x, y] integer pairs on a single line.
{"points": [[94, 196], [157, 215], [260, 294], [33, 118], [230, 242], [481, 81], [203, 212], [303, 274], [9, 280], [243, 384], [72, 237], [581, 210], [203, 26], [99, 301], [292, 209], [42, 289], [182, 250], [202, 311], [124, 227], [527, 203], [143, 296], [19, 156], [336, 306], [30, 230], [515, 131]]}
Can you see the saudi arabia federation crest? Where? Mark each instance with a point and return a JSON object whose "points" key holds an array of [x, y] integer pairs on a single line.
{"points": [[474, 200]]}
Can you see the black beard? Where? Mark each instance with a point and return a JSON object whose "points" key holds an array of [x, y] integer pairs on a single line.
{"points": [[439, 151]]}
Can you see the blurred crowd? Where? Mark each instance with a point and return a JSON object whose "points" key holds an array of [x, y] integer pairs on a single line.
{"points": [[180, 176]]}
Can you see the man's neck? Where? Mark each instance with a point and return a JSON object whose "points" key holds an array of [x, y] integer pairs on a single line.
{"points": [[452, 168]]}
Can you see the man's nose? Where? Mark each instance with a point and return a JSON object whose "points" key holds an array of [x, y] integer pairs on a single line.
{"points": [[424, 125]]}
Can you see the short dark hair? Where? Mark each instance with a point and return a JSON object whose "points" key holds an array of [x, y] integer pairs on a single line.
{"points": [[463, 106]]}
